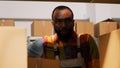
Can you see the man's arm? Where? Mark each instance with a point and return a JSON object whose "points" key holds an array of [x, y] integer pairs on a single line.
{"points": [[89, 51], [94, 52]]}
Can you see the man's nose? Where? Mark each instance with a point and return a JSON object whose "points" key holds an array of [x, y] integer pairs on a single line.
{"points": [[63, 24]]}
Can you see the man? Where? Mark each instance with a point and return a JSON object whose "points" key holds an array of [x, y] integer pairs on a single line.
{"points": [[73, 50]]}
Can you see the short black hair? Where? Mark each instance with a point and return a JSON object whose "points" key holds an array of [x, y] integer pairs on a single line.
{"points": [[61, 7]]}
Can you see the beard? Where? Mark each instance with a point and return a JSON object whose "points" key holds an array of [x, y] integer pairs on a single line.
{"points": [[64, 34]]}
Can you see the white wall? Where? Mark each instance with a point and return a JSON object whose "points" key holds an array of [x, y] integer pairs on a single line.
{"points": [[102, 12], [105, 11], [42, 10], [91, 12], [115, 11], [38, 10]]}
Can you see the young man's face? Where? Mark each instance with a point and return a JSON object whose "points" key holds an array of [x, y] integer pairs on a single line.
{"points": [[63, 23]]}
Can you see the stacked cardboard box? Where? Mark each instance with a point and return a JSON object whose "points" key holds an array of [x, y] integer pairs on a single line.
{"points": [[13, 51], [41, 28], [118, 25], [48, 63], [104, 27], [85, 27], [109, 46], [43, 63], [32, 62], [7, 22]]}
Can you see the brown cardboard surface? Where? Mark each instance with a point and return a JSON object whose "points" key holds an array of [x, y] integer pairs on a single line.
{"points": [[32, 62], [104, 28], [13, 47], [48, 63], [101, 28], [43, 63], [0, 22], [41, 28], [112, 26], [8, 22], [109, 46], [85, 27], [118, 25]]}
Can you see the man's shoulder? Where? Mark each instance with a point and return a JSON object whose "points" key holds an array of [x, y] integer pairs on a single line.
{"points": [[85, 38]]}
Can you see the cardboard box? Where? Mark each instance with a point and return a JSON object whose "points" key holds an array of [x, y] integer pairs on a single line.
{"points": [[109, 46], [7, 22], [32, 62], [118, 25], [43, 63], [41, 28], [0, 22], [13, 47], [48, 63], [85, 27], [104, 28]]}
